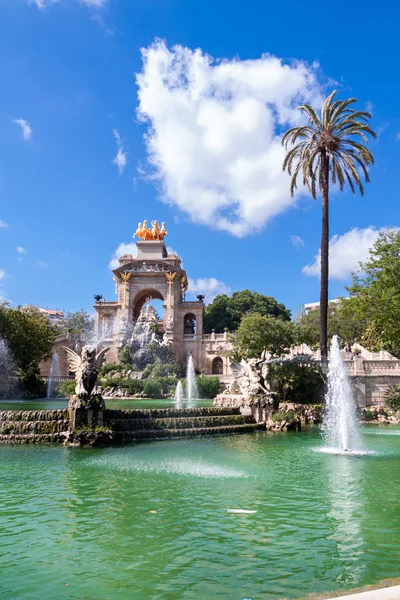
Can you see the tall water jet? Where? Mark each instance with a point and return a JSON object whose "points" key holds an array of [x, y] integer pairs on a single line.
{"points": [[178, 394], [191, 386], [340, 426], [54, 372]]}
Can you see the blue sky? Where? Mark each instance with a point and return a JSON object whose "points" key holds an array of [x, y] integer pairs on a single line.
{"points": [[87, 150]]}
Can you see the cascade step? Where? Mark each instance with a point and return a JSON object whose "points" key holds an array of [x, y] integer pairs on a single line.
{"points": [[32, 427], [179, 423], [151, 434], [167, 413]]}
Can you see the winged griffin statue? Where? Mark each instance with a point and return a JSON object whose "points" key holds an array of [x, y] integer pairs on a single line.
{"points": [[86, 368]]}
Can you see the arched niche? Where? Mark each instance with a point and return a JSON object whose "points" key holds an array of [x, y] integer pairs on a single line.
{"points": [[217, 367], [189, 324]]}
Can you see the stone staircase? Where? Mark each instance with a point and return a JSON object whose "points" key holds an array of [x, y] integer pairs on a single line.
{"points": [[132, 425], [33, 426], [122, 426]]}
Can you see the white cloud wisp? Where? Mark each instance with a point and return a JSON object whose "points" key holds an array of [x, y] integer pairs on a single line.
{"points": [[214, 132], [346, 252], [123, 248], [119, 159], [26, 129]]}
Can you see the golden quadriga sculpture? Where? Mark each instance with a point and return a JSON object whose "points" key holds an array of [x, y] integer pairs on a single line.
{"points": [[154, 233]]}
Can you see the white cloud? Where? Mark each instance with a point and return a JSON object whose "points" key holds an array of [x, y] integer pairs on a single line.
{"points": [[21, 250], [213, 136], [94, 3], [120, 158], [2, 274], [123, 248], [25, 128], [296, 241], [346, 252], [42, 4], [209, 286], [3, 224]]}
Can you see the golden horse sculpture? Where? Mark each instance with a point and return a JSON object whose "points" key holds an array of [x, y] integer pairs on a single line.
{"points": [[155, 233]]}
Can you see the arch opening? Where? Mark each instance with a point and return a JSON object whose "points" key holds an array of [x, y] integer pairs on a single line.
{"points": [[189, 324], [157, 302], [217, 367]]}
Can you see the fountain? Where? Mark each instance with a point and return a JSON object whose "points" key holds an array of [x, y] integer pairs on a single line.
{"points": [[340, 427], [191, 386], [54, 372], [178, 394]]}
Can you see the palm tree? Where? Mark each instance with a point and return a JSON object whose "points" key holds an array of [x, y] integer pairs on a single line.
{"points": [[328, 149]]}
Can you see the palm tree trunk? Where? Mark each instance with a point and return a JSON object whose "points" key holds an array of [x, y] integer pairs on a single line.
{"points": [[323, 303]]}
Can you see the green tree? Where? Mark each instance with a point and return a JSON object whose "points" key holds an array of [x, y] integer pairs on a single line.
{"points": [[328, 149], [257, 333], [216, 316], [226, 312], [78, 323], [375, 293], [343, 321], [29, 336]]}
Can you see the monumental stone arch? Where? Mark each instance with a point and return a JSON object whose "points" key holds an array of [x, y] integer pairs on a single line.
{"points": [[155, 274]]}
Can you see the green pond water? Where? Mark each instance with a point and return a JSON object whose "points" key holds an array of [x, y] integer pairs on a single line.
{"points": [[78, 523], [63, 403]]}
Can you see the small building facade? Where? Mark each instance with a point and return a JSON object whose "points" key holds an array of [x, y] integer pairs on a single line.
{"points": [[156, 275]]}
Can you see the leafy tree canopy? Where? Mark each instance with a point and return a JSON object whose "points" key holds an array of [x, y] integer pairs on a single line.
{"points": [[226, 312], [375, 293], [77, 323], [28, 335], [257, 333], [342, 321]]}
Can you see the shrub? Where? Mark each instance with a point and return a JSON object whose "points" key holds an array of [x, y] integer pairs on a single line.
{"points": [[167, 370], [133, 386], [392, 397], [153, 388], [299, 379], [208, 387], [66, 388], [368, 415], [109, 367], [282, 415]]}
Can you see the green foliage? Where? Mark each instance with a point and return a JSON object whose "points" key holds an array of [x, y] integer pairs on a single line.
{"points": [[342, 321], [368, 415], [160, 370], [29, 337], [392, 397], [107, 368], [375, 293], [153, 388], [299, 379], [208, 387], [258, 333], [226, 313], [283, 415], [124, 357], [77, 323], [329, 148], [66, 388], [132, 386]]}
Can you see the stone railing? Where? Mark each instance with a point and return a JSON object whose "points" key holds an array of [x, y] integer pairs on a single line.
{"points": [[359, 366]]}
